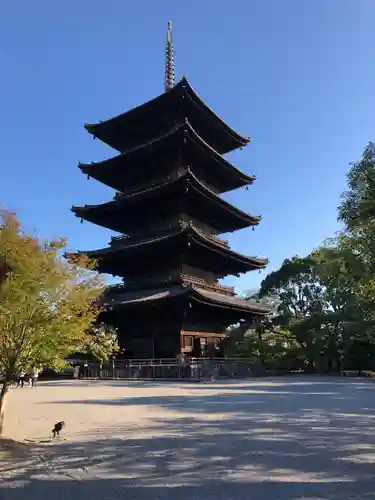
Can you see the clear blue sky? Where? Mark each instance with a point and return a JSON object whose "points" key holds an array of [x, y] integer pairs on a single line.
{"points": [[298, 76]]}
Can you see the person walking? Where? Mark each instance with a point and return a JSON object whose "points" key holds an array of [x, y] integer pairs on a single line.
{"points": [[86, 370], [21, 379], [34, 377]]}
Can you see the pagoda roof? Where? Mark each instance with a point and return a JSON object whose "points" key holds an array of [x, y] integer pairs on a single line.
{"points": [[180, 102], [113, 171], [124, 299], [231, 260], [220, 214]]}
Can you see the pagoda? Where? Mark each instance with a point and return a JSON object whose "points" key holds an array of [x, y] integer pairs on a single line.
{"points": [[168, 176]]}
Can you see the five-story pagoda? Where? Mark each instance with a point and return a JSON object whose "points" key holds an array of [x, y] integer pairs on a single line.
{"points": [[168, 175]]}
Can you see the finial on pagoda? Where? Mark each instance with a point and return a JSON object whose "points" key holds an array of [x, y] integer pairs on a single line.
{"points": [[169, 60]]}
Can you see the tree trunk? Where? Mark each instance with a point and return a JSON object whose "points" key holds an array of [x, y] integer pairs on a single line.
{"points": [[3, 394], [329, 363]]}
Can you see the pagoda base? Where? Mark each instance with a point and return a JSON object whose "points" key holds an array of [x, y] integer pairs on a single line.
{"points": [[148, 344], [167, 322], [198, 344]]}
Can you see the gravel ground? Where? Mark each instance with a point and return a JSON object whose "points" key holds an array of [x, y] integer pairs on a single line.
{"points": [[267, 439]]}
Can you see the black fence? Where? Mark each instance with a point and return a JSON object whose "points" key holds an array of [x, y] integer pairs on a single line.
{"points": [[154, 369]]}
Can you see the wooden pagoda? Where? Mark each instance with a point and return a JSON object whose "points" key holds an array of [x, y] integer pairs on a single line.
{"points": [[168, 176]]}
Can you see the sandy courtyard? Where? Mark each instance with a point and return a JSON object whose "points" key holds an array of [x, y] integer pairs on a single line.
{"points": [[266, 439]]}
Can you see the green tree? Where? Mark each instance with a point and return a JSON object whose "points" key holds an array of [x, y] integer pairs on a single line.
{"points": [[46, 304], [340, 272], [300, 306], [101, 342], [326, 307], [357, 209], [273, 348], [357, 212]]}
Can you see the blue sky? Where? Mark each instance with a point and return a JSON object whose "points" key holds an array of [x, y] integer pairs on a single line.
{"points": [[298, 76]]}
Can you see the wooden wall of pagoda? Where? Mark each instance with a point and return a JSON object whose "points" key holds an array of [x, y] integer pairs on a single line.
{"points": [[166, 330]]}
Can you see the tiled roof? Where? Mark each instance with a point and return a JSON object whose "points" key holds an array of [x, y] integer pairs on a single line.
{"points": [[147, 295], [200, 235], [157, 142], [153, 191], [206, 238], [231, 301], [138, 296], [129, 243], [182, 90]]}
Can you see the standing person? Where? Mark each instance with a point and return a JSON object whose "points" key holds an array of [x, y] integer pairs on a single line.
{"points": [[21, 379], [194, 368], [34, 376], [86, 370]]}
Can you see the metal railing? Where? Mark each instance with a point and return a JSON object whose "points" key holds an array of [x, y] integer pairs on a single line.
{"points": [[172, 369]]}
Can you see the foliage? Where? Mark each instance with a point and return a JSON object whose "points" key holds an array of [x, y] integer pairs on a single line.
{"points": [[46, 303], [326, 312], [101, 342], [357, 209]]}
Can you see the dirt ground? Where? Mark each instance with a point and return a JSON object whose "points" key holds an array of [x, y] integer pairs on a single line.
{"points": [[284, 438]]}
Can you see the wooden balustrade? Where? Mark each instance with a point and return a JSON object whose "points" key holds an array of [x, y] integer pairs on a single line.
{"points": [[211, 287], [185, 278], [221, 241]]}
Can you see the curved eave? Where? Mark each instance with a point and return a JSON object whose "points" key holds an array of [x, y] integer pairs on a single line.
{"points": [[94, 128], [250, 261], [247, 220], [119, 248], [246, 179], [250, 220], [97, 170], [166, 99], [228, 302], [118, 160], [240, 139], [199, 238], [143, 297]]}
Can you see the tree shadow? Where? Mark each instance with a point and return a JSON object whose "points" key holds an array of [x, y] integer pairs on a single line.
{"points": [[239, 396], [279, 445]]}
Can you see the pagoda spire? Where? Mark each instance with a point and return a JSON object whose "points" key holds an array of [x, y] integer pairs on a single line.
{"points": [[169, 60]]}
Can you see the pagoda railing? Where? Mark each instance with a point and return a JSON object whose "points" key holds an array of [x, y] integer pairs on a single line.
{"points": [[221, 241], [185, 278], [119, 239], [206, 234], [162, 230], [147, 183], [211, 287], [193, 369], [155, 234]]}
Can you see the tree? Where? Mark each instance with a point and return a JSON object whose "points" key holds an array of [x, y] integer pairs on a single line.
{"points": [[300, 297], [47, 304], [357, 209], [326, 307], [101, 342], [357, 212]]}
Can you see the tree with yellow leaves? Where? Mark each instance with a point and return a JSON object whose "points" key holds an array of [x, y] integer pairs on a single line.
{"points": [[47, 304]]}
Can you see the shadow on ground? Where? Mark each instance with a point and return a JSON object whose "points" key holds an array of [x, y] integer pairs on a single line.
{"points": [[288, 441]]}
